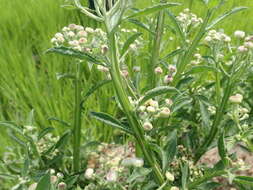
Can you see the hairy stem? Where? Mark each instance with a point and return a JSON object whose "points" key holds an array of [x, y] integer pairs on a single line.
{"points": [[77, 119]]}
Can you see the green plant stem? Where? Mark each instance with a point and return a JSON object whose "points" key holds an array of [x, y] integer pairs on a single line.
{"points": [[77, 119], [128, 109], [156, 49], [218, 118]]}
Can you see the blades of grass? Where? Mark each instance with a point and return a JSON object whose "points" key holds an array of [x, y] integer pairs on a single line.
{"points": [[153, 9], [129, 41], [225, 15]]}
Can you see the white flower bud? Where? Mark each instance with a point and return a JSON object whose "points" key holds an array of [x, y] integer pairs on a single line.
{"points": [[74, 43], [111, 176], [79, 27], [124, 73], [174, 188], [227, 39], [104, 49], [58, 35], [53, 179], [165, 112], [151, 109], [102, 68], [242, 49], [248, 45], [169, 176], [158, 70], [82, 33], [169, 102], [147, 126], [32, 186], [70, 34], [89, 173], [168, 79], [142, 108], [59, 175], [208, 39], [89, 30], [172, 68], [236, 98], [53, 40], [52, 171], [62, 186], [72, 26], [136, 69], [239, 34], [82, 40], [65, 29]]}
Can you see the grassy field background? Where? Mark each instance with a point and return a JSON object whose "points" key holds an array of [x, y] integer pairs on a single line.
{"points": [[28, 75]]}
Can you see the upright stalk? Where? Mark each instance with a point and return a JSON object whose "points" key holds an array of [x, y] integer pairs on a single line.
{"points": [[128, 109], [156, 49], [77, 119]]}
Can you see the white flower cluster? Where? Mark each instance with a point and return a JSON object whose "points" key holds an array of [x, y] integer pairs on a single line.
{"points": [[168, 78], [214, 36], [188, 19], [110, 161], [197, 59], [151, 110], [247, 41], [82, 39]]}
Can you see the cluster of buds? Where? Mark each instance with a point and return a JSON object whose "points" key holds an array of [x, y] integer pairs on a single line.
{"points": [[45, 143], [216, 37], [168, 78], [247, 41], [188, 19], [82, 39], [197, 59], [151, 109], [111, 161]]}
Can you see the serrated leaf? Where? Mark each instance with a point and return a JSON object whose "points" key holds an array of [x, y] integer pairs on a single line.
{"points": [[109, 120], [129, 41], [153, 9], [44, 183], [156, 92], [74, 53], [225, 15]]}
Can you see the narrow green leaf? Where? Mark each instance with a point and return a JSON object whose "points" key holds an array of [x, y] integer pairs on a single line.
{"points": [[170, 150], [204, 114], [7, 176], [60, 121], [185, 175], [244, 179], [45, 132], [73, 53], [129, 41], [12, 126], [222, 149], [141, 25], [17, 139], [94, 88], [153, 9], [156, 92], [172, 54], [225, 15], [201, 69], [63, 140], [109, 120], [44, 183]]}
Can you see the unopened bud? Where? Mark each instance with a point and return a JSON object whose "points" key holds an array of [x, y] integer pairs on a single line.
{"points": [[158, 70], [89, 173], [54, 179], [169, 176], [236, 98], [165, 112], [147, 126], [168, 79], [62, 186]]}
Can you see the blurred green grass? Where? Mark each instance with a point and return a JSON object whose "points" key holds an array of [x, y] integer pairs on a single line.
{"points": [[28, 76]]}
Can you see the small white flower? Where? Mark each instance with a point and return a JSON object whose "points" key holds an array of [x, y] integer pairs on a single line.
{"points": [[136, 69], [33, 186], [53, 40], [174, 188], [62, 186], [158, 70], [52, 171], [59, 175], [168, 101], [65, 29], [82, 40], [142, 108], [242, 49], [74, 43], [89, 30], [151, 109], [79, 27], [111, 176], [70, 34], [53, 179], [172, 68], [58, 35], [60, 39], [236, 98], [82, 33], [208, 39], [239, 34], [165, 112], [72, 26], [169, 176], [147, 126], [248, 45], [89, 173], [227, 39], [168, 79]]}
